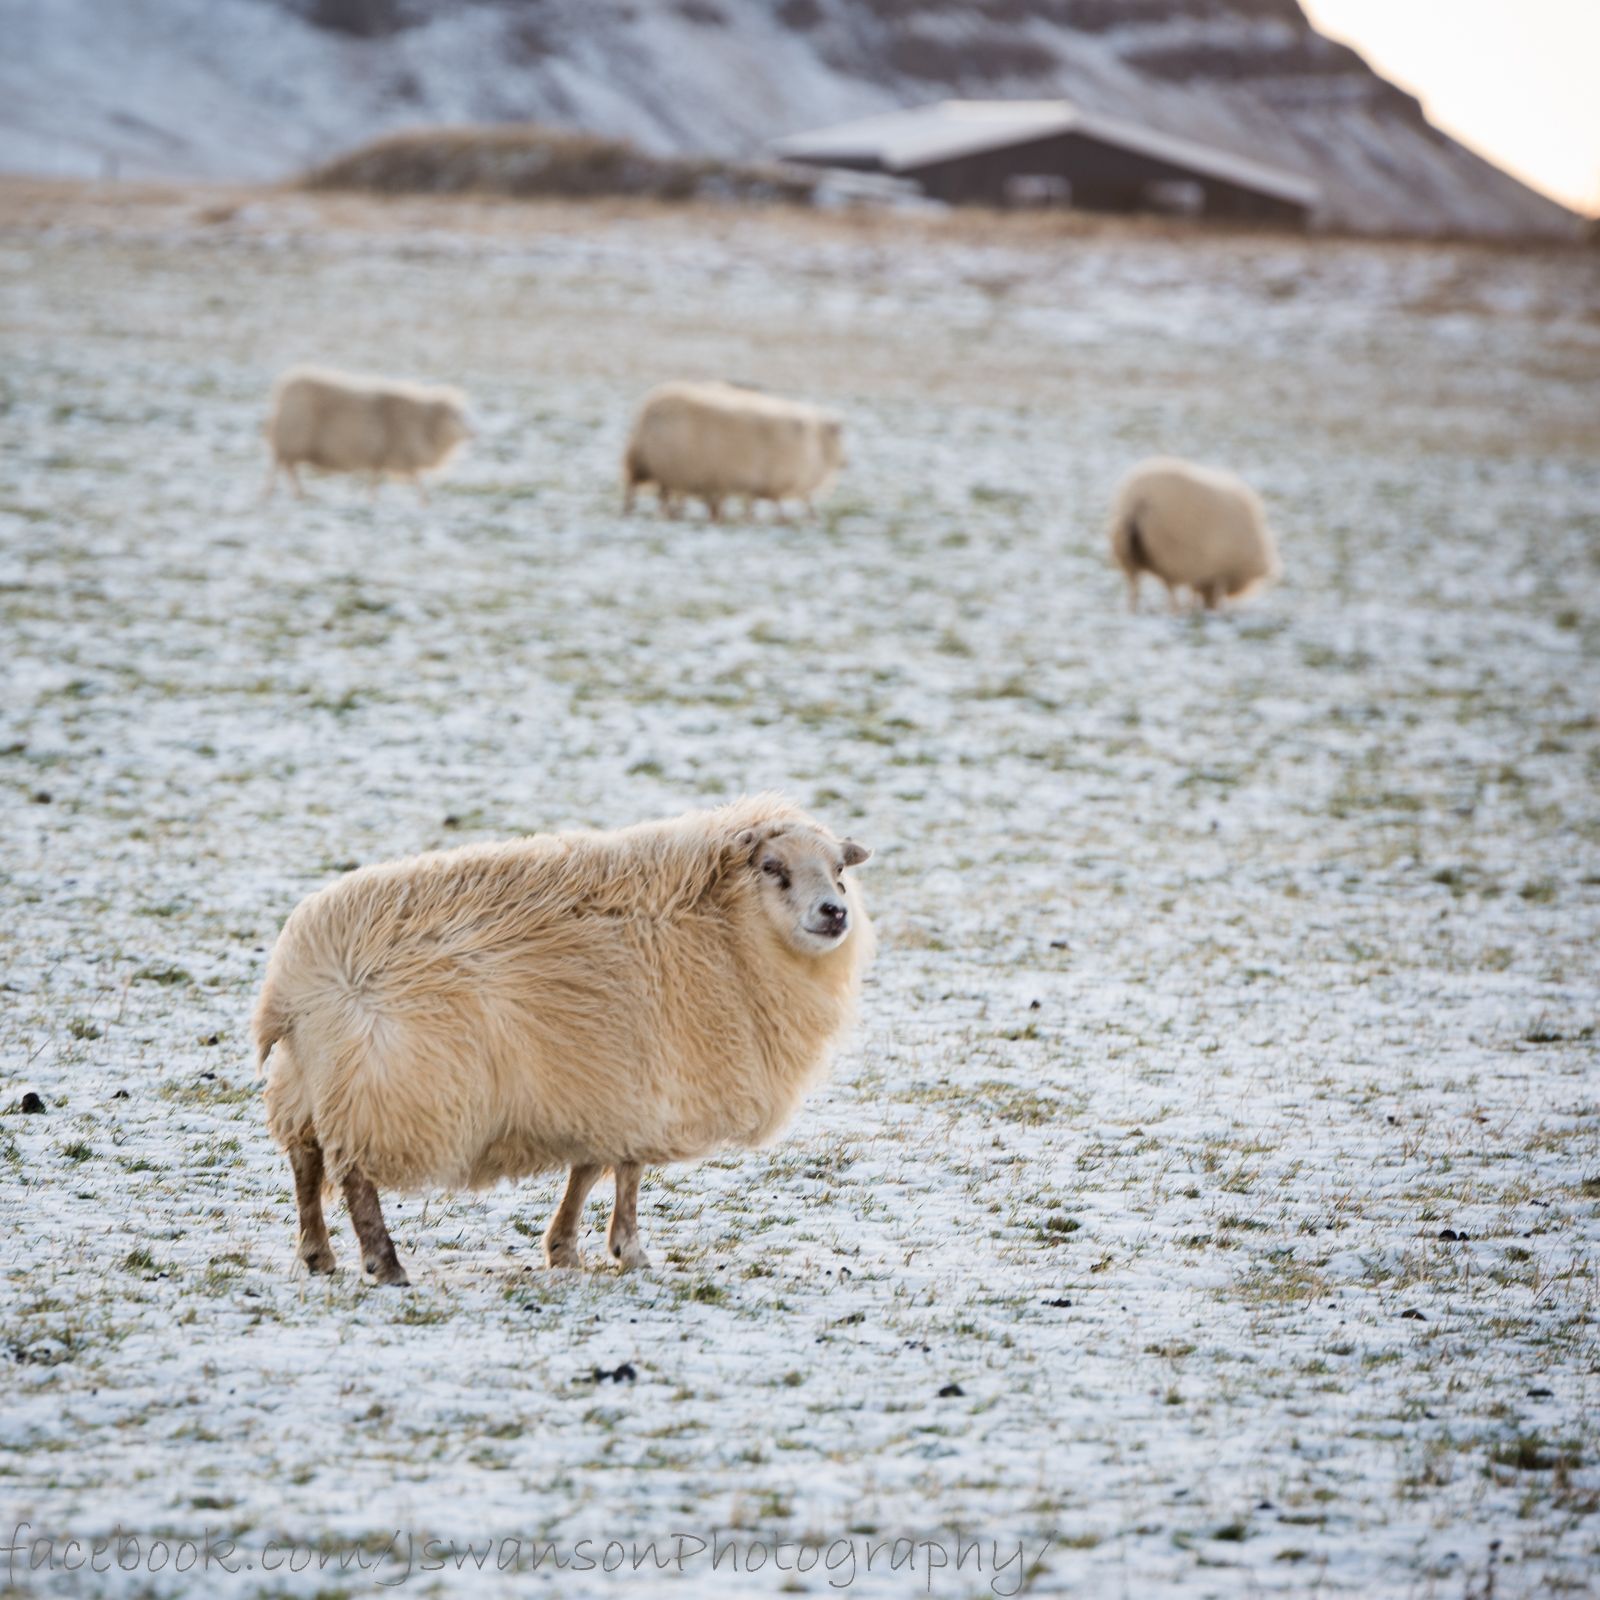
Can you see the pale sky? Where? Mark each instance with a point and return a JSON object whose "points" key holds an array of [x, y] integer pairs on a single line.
{"points": [[1518, 80]]}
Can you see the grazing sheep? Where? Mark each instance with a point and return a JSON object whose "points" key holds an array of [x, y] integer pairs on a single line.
{"points": [[713, 441], [1192, 527], [581, 1000], [371, 425]]}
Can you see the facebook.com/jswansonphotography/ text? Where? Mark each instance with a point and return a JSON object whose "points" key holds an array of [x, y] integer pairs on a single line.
{"points": [[393, 1559]]}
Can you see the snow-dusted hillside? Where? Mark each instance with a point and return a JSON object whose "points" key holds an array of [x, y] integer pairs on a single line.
{"points": [[258, 88]]}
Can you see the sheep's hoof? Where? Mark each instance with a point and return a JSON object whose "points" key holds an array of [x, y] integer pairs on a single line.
{"points": [[388, 1272], [320, 1260], [563, 1253], [630, 1257]]}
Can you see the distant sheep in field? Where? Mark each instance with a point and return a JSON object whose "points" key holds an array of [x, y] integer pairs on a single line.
{"points": [[1193, 527], [583, 1000], [376, 426], [717, 441]]}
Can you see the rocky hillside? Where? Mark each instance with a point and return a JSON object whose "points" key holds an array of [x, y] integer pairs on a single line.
{"points": [[259, 88]]}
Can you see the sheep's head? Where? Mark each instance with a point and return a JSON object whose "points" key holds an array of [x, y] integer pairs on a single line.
{"points": [[448, 427], [832, 444], [801, 881]]}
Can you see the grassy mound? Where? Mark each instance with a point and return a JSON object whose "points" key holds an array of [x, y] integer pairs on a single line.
{"points": [[529, 161]]}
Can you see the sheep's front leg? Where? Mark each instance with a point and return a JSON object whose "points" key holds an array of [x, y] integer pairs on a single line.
{"points": [[315, 1248], [622, 1238], [377, 1248], [561, 1237]]}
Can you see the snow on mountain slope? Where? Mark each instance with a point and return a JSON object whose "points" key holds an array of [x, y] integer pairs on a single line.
{"points": [[260, 88]]}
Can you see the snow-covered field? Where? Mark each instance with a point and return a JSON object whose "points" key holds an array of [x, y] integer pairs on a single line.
{"points": [[1222, 1125]]}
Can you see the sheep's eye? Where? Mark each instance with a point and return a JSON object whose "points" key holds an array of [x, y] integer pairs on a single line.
{"points": [[774, 869]]}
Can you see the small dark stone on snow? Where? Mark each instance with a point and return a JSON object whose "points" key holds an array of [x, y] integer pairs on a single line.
{"points": [[1412, 1316], [211, 1038], [41, 797], [951, 1391], [1033, 1005], [121, 1094], [32, 1104], [1540, 1394], [1058, 1303], [1450, 1236], [621, 1373], [1059, 944]]}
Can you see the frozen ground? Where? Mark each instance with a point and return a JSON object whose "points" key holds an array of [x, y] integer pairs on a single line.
{"points": [[1223, 1118]]}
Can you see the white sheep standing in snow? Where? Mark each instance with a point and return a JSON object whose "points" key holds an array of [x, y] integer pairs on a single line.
{"points": [[714, 441], [1193, 527], [584, 1000], [377, 426]]}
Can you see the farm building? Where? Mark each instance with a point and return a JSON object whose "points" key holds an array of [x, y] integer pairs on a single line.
{"points": [[1033, 152]]}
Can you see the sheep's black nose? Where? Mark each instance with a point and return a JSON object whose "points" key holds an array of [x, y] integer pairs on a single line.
{"points": [[832, 912]]}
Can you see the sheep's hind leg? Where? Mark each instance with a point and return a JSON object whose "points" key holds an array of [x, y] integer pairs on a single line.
{"points": [[314, 1247], [622, 1238], [366, 1215], [561, 1237]]}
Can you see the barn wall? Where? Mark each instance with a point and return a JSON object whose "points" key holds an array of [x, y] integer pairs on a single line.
{"points": [[1103, 177]]}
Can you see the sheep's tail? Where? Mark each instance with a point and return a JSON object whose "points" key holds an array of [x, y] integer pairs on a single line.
{"points": [[271, 1023]]}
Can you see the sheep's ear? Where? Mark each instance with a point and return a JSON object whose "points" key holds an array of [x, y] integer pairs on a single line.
{"points": [[854, 852], [748, 840]]}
